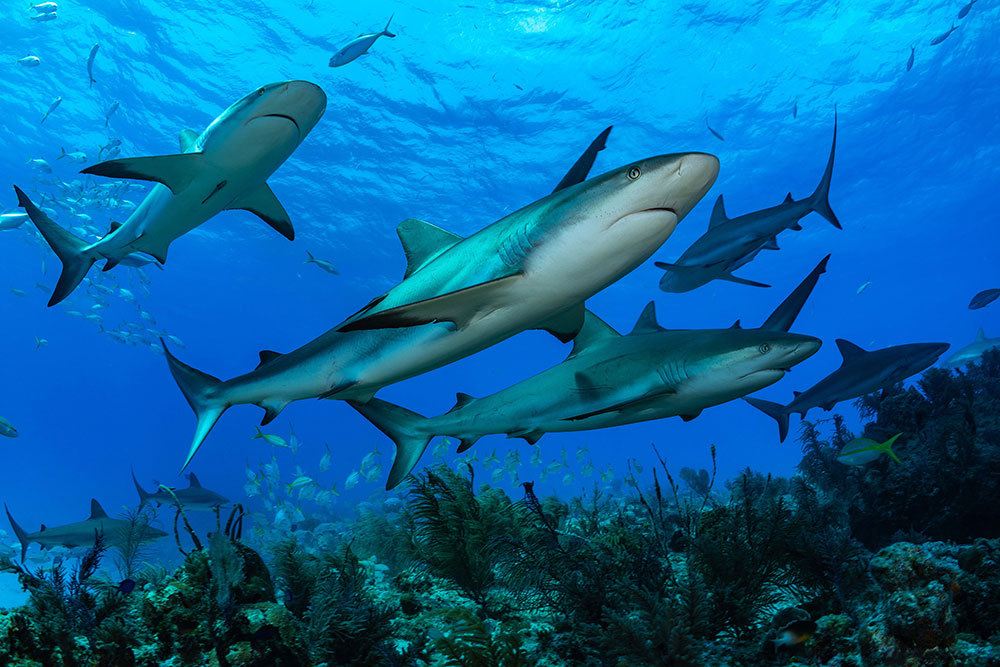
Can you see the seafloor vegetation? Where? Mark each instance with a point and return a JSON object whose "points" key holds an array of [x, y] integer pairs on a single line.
{"points": [[886, 564]]}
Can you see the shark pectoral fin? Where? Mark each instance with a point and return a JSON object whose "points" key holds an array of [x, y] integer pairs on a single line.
{"points": [[187, 140], [728, 277], [423, 241], [688, 418], [458, 307], [262, 203], [772, 244], [567, 324], [339, 387], [618, 407], [174, 171]]}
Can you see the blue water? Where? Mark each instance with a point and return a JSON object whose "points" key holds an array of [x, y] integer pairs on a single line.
{"points": [[469, 113]]}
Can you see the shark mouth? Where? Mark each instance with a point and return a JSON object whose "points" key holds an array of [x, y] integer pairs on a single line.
{"points": [[281, 115], [663, 209]]}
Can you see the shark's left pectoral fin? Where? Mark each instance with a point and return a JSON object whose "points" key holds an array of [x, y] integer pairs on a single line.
{"points": [[459, 307], [174, 171], [624, 405], [567, 324], [262, 203], [728, 277]]}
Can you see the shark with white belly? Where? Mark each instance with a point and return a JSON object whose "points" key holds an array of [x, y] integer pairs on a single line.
{"points": [[611, 380], [532, 269], [225, 167]]}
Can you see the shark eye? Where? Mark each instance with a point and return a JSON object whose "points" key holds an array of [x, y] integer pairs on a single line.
{"points": [[633, 173], [260, 92], [764, 348]]}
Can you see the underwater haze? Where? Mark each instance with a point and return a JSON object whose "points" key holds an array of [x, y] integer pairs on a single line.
{"points": [[464, 114]]}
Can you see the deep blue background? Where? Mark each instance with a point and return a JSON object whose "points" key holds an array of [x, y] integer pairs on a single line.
{"points": [[471, 112]]}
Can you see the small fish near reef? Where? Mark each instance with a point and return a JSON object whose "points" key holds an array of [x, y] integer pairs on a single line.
{"points": [[7, 429], [862, 451]]}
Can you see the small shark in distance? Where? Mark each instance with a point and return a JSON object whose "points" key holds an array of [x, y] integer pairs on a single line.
{"points": [[534, 268], [82, 533], [861, 372], [611, 380], [971, 352], [730, 243], [194, 497], [225, 167]]}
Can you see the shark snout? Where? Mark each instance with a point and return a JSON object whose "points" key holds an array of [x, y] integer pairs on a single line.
{"points": [[300, 102], [688, 178]]}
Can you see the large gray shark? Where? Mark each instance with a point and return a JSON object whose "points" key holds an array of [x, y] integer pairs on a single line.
{"points": [[861, 372], [971, 352], [225, 167], [610, 380], [82, 533], [731, 243], [531, 269], [194, 497]]}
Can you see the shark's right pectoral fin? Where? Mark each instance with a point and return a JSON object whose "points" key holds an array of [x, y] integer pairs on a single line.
{"points": [[459, 307], [262, 203], [728, 277], [567, 324], [174, 171]]}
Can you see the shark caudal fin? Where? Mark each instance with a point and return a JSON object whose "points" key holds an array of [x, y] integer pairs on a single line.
{"points": [[403, 428], [198, 388], [144, 496], [72, 251], [22, 536], [819, 201], [774, 410], [386, 30]]}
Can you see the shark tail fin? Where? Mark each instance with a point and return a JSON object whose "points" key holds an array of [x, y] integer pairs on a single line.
{"points": [[22, 536], [201, 391], [774, 410], [887, 447], [403, 428], [819, 201], [386, 30], [144, 495], [70, 250]]}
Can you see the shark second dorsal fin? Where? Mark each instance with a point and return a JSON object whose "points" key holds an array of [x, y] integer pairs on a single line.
{"points": [[593, 331], [96, 511], [461, 400], [848, 350], [193, 482], [980, 335], [718, 214], [788, 199], [261, 202], [647, 321], [267, 356], [423, 241], [187, 140]]}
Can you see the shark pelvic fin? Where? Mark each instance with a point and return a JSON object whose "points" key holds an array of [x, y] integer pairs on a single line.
{"points": [[174, 171], [261, 202], [422, 242], [647, 321], [848, 350], [187, 140], [691, 416], [718, 214], [465, 443], [771, 244], [594, 331], [96, 511], [459, 307], [531, 437], [728, 277], [567, 324], [403, 427]]}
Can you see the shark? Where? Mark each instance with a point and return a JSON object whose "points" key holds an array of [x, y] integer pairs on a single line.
{"points": [[82, 533], [194, 497], [224, 167], [861, 372], [532, 269], [612, 380], [731, 243], [972, 352]]}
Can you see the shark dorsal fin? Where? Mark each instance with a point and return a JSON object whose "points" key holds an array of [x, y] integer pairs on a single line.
{"points": [[461, 400], [187, 140], [42, 529], [848, 350], [788, 198], [980, 335], [718, 214], [647, 321], [423, 241], [96, 511], [736, 325], [796, 394], [594, 331], [193, 482], [266, 356]]}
